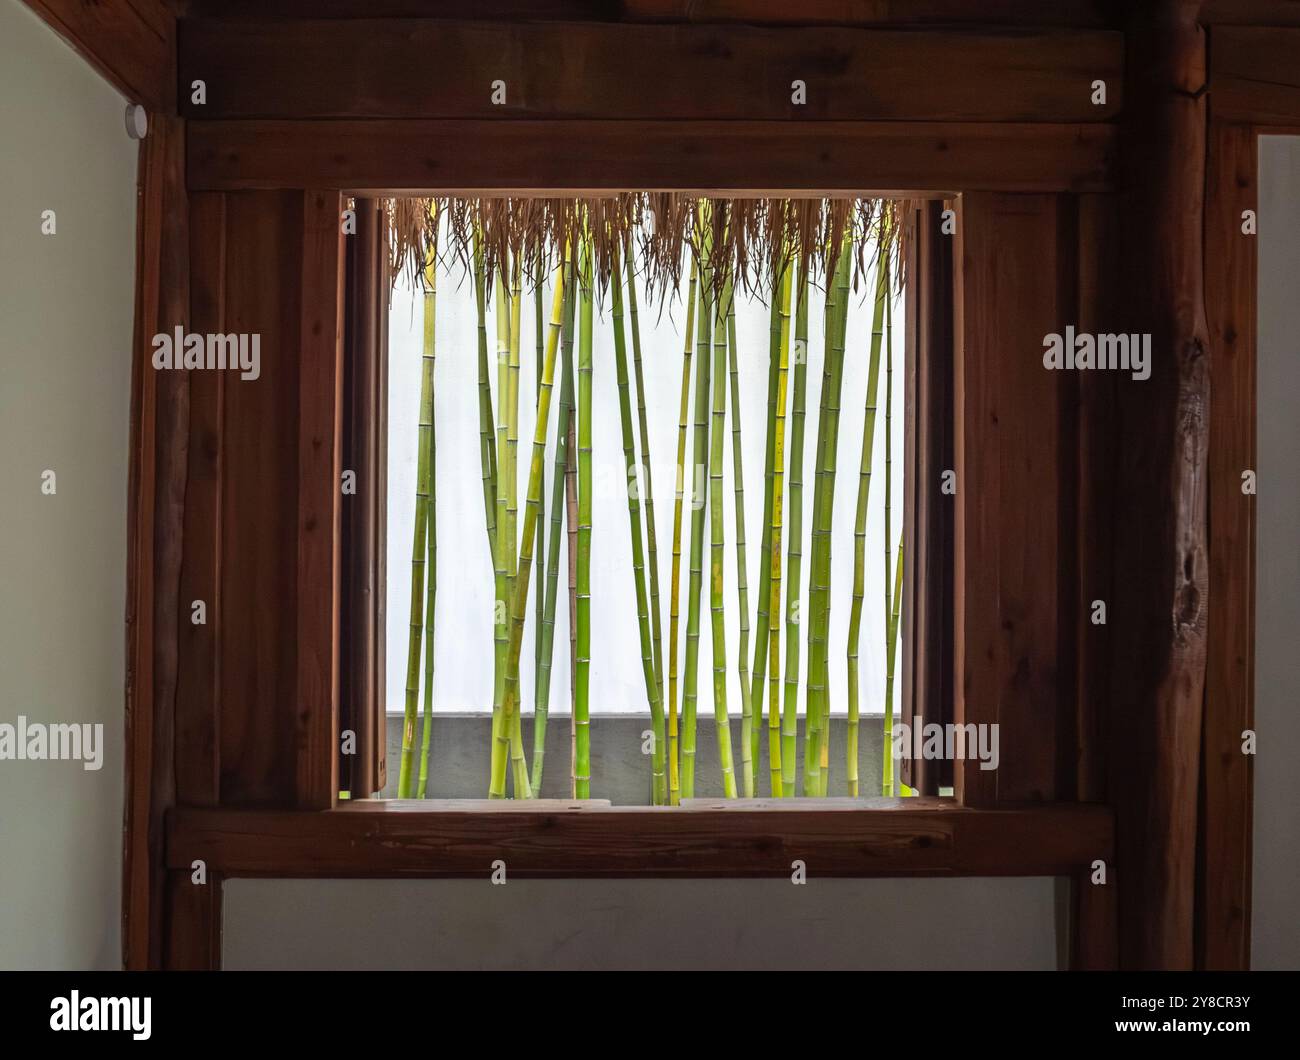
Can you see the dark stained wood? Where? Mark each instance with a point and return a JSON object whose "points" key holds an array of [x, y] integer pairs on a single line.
{"points": [[928, 421], [132, 43], [1251, 12], [1255, 76], [159, 426], [1011, 560], [319, 532], [1227, 782], [259, 502], [1161, 585], [194, 918], [1094, 945], [408, 68], [198, 693], [364, 427], [412, 156], [1094, 446], [392, 839]]}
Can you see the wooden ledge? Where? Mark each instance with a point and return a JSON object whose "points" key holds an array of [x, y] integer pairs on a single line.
{"points": [[558, 839]]}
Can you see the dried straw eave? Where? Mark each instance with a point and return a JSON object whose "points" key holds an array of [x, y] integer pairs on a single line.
{"points": [[748, 239]]}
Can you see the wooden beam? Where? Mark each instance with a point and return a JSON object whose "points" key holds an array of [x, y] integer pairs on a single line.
{"points": [[1255, 76], [132, 43], [320, 447], [193, 922], [1224, 849], [156, 493], [745, 839], [885, 12], [410, 68], [399, 157], [1161, 585]]}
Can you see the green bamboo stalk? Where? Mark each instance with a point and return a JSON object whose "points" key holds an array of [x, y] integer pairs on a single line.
{"points": [[522, 787], [674, 770], [718, 642], [699, 498], [486, 418], [660, 785], [652, 535], [558, 484], [539, 613], [418, 563], [761, 630], [532, 507], [774, 751], [742, 579], [860, 532], [581, 715], [891, 649], [819, 586], [571, 567], [794, 550], [431, 535], [504, 548], [886, 776]]}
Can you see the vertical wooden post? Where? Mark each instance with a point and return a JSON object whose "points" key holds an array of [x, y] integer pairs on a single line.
{"points": [[1158, 619]]}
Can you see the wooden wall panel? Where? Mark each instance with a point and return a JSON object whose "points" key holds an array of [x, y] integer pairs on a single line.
{"points": [[413, 157], [259, 541], [1255, 74], [1012, 552], [1227, 780], [411, 68]]}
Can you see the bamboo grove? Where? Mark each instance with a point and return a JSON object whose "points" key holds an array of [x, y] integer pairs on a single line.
{"points": [[699, 255]]}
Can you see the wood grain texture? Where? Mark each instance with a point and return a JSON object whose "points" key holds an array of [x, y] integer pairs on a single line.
{"points": [[411, 156], [319, 521], [393, 839], [1255, 74], [259, 502], [156, 485], [132, 43], [410, 68], [1161, 584], [194, 919], [1227, 781], [198, 677], [1010, 537]]}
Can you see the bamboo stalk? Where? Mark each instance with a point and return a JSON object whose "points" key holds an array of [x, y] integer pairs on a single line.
{"points": [[794, 550], [581, 717], [742, 580], [699, 498], [660, 781], [774, 752], [891, 605], [532, 507], [431, 534], [646, 465], [762, 626], [819, 586], [891, 649], [539, 611], [487, 451], [522, 787], [571, 531], [674, 768], [860, 530], [504, 549], [552, 570], [419, 561], [718, 643]]}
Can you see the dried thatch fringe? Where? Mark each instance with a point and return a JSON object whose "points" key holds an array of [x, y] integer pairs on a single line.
{"points": [[750, 239]]}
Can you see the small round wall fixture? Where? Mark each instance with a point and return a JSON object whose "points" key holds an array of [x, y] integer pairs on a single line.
{"points": [[137, 121]]}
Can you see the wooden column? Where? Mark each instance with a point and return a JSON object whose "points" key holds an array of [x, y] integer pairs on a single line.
{"points": [[1158, 619]]}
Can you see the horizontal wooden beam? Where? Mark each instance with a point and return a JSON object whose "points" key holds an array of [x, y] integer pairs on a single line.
{"points": [[419, 68], [130, 42], [395, 157], [890, 837], [1255, 75]]}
